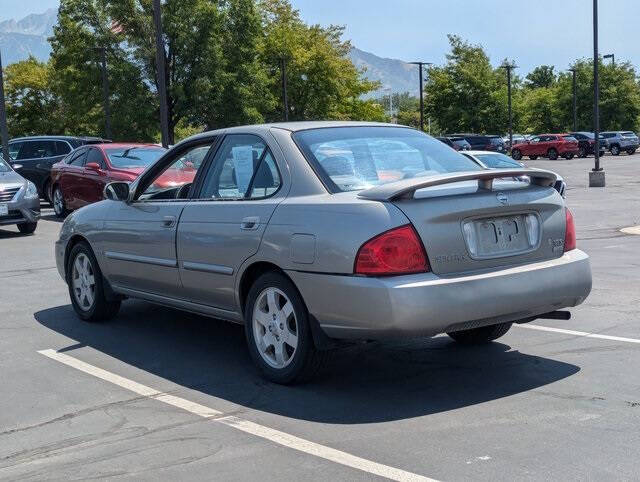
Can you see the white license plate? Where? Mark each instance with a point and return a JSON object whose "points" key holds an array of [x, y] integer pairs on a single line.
{"points": [[4, 210]]}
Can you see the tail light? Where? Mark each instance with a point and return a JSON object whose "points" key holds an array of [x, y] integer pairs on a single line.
{"points": [[395, 252], [570, 234]]}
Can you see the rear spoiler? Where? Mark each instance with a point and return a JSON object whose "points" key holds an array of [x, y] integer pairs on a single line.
{"points": [[406, 187]]}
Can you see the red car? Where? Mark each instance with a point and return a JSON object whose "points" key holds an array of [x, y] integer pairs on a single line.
{"points": [[79, 179], [547, 145]]}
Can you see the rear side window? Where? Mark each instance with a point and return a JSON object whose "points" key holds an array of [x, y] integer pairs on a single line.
{"points": [[37, 150], [355, 158]]}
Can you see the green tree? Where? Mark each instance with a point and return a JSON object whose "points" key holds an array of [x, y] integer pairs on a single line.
{"points": [[32, 105], [467, 94], [540, 111], [322, 82], [542, 76]]}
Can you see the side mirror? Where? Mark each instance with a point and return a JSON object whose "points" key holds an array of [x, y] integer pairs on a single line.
{"points": [[117, 191], [93, 166]]}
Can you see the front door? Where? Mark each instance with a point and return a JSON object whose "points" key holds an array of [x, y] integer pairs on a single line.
{"points": [[139, 238], [94, 179], [224, 225]]}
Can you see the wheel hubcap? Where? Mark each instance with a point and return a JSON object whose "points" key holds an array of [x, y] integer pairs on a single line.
{"points": [[57, 201], [275, 328], [83, 282]]}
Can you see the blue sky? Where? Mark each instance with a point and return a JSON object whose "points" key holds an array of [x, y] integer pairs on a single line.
{"points": [[532, 32]]}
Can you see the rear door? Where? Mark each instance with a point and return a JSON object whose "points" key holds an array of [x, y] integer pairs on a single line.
{"points": [[223, 227]]}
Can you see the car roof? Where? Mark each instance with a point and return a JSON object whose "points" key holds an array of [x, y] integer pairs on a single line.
{"points": [[61, 138]]}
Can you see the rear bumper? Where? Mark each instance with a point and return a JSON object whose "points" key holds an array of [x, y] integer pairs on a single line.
{"points": [[351, 307]]}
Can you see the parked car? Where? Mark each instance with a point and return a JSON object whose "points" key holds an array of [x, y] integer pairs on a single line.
{"points": [[547, 145], [19, 201], [497, 160], [482, 142], [289, 229], [586, 143], [517, 139], [457, 143], [80, 178], [621, 141], [33, 157]]}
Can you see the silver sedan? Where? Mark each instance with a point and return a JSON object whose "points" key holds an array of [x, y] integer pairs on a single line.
{"points": [[313, 232], [19, 200]]}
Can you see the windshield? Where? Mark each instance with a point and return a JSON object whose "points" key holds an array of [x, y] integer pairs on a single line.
{"points": [[498, 161], [4, 167], [129, 157], [355, 158]]}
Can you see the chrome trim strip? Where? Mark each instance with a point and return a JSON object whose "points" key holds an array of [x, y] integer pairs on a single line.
{"points": [[207, 268], [169, 263]]}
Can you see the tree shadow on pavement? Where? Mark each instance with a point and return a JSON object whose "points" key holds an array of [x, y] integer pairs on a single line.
{"points": [[365, 383]]}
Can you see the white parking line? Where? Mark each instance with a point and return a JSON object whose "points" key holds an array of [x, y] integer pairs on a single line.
{"points": [[280, 438], [579, 333]]}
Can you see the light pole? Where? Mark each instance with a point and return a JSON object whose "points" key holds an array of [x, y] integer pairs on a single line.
{"points": [[612, 57], [162, 80], [596, 176], [509, 67], [575, 101], [3, 117], [102, 52], [388, 89], [421, 66]]}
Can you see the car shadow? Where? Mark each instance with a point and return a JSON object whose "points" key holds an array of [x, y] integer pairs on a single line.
{"points": [[363, 383]]}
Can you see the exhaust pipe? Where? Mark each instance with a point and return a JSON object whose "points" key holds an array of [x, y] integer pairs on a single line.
{"points": [[556, 315]]}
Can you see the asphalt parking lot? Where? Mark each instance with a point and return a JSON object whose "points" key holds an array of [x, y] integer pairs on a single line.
{"points": [[160, 394]]}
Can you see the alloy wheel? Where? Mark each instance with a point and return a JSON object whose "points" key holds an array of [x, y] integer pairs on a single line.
{"points": [[275, 328], [83, 282], [58, 202]]}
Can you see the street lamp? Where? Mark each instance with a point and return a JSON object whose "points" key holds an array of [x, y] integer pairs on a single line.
{"points": [[509, 67], [4, 132], [596, 176], [162, 80], [421, 66], [575, 102], [612, 57]]}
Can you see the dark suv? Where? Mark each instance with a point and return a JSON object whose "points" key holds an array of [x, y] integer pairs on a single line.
{"points": [[586, 141], [457, 143], [32, 157], [480, 142]]}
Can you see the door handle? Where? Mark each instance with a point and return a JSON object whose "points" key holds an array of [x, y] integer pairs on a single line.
{"points": [[168, 221], [250, 223]]}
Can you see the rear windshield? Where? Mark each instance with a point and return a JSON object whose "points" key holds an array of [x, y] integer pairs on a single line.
{"points": [[355, 158], [122, 158]]}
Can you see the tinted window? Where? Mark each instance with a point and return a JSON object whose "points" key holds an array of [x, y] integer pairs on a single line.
{"points": [[354, 158], [62, 148], [243, 168], [95, 156], [14, 148], [37, 150], [608, 135], [498, 161], [132, 157], [496, 141], [78, 158], [569, 138], [628, 134]]}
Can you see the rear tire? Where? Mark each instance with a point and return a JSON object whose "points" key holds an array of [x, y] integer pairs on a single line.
{"points": [[86, 286], [27, 228], [276, 319], [516, 154], [552, 154], [568, 157], [615, 150], [59, 206], [480, 336], [582, 152], [533, 158]]}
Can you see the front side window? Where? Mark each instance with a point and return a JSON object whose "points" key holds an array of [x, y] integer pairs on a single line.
{"points": [[355, 158], [133, 157], [95, 156], [78, 158], [175, 181], [244, 168]]}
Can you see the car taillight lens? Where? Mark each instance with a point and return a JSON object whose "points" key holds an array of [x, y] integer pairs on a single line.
{"points": [[570, 234], [395, 252]]}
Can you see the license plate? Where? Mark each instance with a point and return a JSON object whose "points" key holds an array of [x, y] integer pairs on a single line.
{"points": [[499, 236], [4, 210]]}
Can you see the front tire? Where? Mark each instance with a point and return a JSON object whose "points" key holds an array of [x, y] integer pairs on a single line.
{"points": [[59, 207], [278, 332], [516, 154], [480, 336], [27, 228], [631, 152], [615, 150], [552, 154], [86, 286], [582, 153]]}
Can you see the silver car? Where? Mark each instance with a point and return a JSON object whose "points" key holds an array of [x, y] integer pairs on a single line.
{"points": [[19, 200], [312, 232]]}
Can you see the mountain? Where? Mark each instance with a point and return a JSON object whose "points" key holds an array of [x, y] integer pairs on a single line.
{"points": [[398, 75], [28, 36]]}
